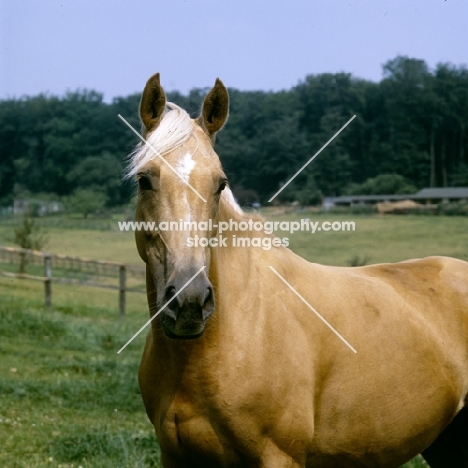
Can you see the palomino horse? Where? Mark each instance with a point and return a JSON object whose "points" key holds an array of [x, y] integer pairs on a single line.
{"points": [[237, 370]]}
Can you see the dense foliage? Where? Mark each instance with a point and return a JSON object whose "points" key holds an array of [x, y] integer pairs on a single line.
{"points": [[413, 124]]}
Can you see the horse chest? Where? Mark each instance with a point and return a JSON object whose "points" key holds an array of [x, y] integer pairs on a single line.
{"points": [[181, 415], [184, 433], [193, 435]]}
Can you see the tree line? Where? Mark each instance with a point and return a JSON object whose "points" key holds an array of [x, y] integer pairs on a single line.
{"points": [[409, 133]]}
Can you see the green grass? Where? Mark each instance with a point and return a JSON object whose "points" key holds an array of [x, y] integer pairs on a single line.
{"points": [[89, 238], [67, 399], [380, 239]]}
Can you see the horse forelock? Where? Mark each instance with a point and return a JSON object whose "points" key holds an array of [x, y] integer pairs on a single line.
{"points": [[173, 131]]}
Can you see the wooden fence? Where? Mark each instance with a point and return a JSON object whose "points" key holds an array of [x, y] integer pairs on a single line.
{"points": [[91, 272]]}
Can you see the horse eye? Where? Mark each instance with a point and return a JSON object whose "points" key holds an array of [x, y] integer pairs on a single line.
{"points": [[222, 186], [144, 182]]}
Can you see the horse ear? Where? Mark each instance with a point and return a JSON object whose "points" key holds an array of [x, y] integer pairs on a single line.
{"points": [[153, 103], [215, 109]]}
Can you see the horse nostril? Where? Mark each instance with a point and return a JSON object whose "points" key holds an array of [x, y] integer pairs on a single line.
{"points": [[208, 303], [170, 293], [208, 296]]}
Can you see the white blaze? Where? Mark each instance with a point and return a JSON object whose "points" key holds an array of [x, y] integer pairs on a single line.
{"points": [[185, 166]]}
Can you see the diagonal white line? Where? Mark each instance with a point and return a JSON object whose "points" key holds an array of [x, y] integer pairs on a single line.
{"points": [[160, 310], [312, 309], [159, 155], [312, 158]]}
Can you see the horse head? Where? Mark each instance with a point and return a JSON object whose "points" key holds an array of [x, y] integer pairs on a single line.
{"points": [[180, 183]]}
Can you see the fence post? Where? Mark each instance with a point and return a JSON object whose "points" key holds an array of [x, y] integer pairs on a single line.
{"points": [[123, 275], [48, 282]]}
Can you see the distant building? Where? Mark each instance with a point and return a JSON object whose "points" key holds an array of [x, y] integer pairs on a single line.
{"points": [[426, 195], [441, 194]]}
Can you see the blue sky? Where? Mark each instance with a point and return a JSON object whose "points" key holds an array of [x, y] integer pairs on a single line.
{"points": [[113, 47]]}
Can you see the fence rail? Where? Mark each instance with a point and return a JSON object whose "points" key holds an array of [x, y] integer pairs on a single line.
{"points": [[92, 269]]}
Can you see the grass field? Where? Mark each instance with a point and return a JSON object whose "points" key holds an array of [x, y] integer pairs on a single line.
{"points": [[68, 400], [382, 238], [379, 238]]}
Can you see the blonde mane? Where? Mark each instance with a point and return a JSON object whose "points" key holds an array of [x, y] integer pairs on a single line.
{"points": [[228, 198], [230, 209], [173, 131]]}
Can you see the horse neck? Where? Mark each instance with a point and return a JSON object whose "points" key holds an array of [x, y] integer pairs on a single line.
{"points": [[231, 265], [233, 275]]}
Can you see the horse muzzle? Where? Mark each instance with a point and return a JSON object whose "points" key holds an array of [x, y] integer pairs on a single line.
{"points": [[187, 311]]}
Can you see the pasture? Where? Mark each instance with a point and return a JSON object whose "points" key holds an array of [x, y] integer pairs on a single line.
{"points": [[68, 400]]}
